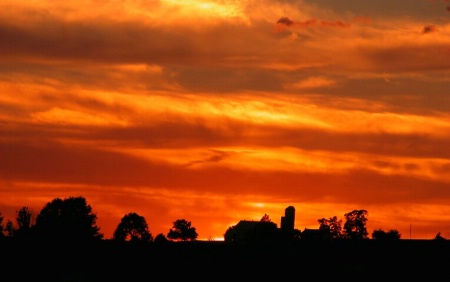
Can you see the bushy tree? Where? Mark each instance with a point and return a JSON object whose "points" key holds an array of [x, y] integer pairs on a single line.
{"points": [[182, 230], [390, 235], [67, 219], [332, 225], [132, 227], [160, 238], [230, 234], [355, 225]]}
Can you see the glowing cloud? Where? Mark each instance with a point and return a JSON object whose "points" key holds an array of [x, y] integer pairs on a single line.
{"points": [[70, 117], [311, 82]]}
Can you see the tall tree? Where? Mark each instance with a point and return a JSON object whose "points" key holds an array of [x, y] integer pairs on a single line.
{"points": [[355, 225], [71, 218], [132, 227], [23, 220], [182, 230]]}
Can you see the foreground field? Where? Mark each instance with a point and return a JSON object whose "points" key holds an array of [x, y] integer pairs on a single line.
{"points": [[214, 261]]}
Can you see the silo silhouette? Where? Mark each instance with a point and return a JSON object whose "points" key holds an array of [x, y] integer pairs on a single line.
{"points": [[287, 221]]}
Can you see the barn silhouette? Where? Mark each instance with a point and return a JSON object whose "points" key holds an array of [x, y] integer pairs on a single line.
{"points": [[252, 231]]}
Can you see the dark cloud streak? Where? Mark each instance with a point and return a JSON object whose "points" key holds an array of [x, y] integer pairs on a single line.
{"points": [[429, 28], [311, 23]]}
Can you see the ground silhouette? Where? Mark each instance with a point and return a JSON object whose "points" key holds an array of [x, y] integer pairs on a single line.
{"points": [[217, 260]]}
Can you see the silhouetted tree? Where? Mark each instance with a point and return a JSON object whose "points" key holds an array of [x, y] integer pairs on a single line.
{"points": [[380, 234], [132, 227], [230, 234], [10, 229], [2, 227], [393, 234], [23, 220], [67, 219], [439, 237], [355, 225], [323, 224], [160, 239], [182, 230], [333, 225], [265, 218]]}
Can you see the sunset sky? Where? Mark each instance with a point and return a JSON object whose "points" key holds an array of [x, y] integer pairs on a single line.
{"points": [[224, 110]]}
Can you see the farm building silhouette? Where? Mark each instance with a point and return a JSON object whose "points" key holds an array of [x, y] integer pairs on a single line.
{"points": [[251, 231]]}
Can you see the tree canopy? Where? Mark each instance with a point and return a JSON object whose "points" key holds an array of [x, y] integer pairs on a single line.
{"points": [[67, 219], [333, 225], [182, 230], [132, 227], [160, 238], [380, 234], [355, 225]]}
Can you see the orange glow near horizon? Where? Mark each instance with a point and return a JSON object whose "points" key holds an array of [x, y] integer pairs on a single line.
{"points": [[220, 111]]}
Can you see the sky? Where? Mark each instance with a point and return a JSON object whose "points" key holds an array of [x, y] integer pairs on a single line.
{"points": [[226, 110]]}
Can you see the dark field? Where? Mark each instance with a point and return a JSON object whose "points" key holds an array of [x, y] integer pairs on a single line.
{"points": [[213, 261]]}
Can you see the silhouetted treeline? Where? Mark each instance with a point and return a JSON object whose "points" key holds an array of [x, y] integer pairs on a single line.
{"points": [[72, 219], [65, 244]]}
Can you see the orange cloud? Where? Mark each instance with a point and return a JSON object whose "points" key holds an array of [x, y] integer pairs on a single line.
{"points": [[312, 82]]}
